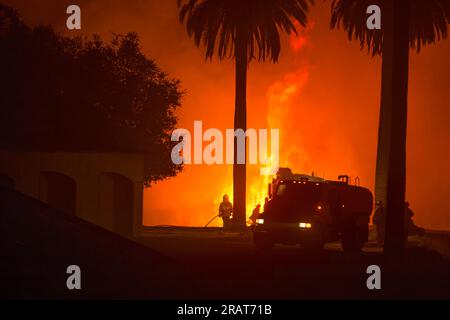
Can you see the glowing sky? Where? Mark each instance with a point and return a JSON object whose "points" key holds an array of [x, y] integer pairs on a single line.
{"points": [[323, 94]]}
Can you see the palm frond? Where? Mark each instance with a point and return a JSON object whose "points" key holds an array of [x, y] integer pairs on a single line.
{"points": [[428, 22], [214, 23]]}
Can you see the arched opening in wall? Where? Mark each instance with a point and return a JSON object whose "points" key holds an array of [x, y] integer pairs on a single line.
{"points": [[116, 203], [6, 182], [58, 191]]}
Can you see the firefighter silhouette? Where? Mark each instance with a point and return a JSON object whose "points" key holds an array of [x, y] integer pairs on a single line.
{"points": [[379, 220], [225, 212], [255, 215]]}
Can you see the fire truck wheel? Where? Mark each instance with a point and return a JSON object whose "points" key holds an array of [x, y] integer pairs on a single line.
{"points": [[263, 242], [352, 239]]}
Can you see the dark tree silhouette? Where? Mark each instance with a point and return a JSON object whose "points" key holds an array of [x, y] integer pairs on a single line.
{"points": [[60, 93], [405, 24], [243, 30]]}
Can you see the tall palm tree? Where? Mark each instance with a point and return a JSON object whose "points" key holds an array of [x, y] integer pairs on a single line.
{"points": [[243, 30], [405, 24]]}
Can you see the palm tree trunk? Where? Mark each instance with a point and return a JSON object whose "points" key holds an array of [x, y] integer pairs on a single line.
{"points": [[385, 117], [384, 125], [396, 172], [240, 122]]}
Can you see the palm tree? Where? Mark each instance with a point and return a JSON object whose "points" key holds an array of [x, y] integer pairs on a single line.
{"points": [[405, 24], [243, 30]]}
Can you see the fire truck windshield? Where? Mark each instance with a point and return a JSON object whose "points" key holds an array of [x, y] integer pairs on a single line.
{"points": [[300, 192]]}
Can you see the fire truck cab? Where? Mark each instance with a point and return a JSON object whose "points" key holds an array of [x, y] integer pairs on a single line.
{"points": [[311, 211]]}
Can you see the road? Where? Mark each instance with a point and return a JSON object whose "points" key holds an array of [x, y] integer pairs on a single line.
{"points": [[38, 243], [227, 266]]}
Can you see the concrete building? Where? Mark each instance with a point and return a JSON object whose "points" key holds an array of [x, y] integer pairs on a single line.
{"points": [[102, 188]]}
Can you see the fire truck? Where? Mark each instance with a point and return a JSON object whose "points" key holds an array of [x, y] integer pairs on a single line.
{"points": [[311, 211]]}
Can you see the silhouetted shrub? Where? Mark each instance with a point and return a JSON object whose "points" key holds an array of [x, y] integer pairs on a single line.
{"points": [[80, 94]]}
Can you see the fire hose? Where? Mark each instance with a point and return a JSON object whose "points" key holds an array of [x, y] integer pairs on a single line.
{"points": [[211, 220]]}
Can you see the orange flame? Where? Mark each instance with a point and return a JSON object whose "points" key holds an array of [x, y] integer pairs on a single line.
{"points": [[301, 39], [280, 98]]}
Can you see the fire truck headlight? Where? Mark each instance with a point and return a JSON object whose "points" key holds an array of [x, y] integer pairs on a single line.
{"points": [[305, 225], [260, 221]]}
